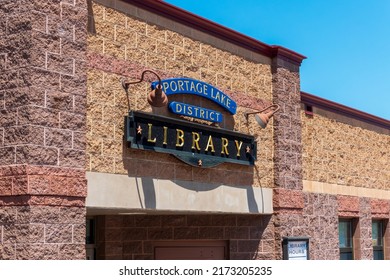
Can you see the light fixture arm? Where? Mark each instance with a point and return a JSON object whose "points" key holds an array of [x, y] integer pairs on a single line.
{"points": [[126, 85], [158, 93], [263, 110]]}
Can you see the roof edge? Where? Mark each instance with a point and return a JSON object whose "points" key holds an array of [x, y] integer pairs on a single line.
{"points": [[313, 100], [179, 15]]}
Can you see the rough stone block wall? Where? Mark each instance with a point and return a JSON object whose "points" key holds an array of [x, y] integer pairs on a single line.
{"points": [[132, 237], [42, 128], [315, 217], [288, 198], [42, 232], [42, 213], [339, 153], [348, 155], [363, 236], [121, 45], [287, 125], [364, 210], [321, 219], [387, 241]]}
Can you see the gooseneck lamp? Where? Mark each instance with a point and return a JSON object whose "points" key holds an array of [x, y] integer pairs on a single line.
{"points": [[263, 118], [156, 98]]}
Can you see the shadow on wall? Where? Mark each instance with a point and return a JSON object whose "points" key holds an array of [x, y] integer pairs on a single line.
{"points": [[149, 166], [91, 18]]}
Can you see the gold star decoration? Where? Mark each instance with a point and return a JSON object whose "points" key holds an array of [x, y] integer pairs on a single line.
{"points": [[248, 149], [139, 130], [200, 162]]}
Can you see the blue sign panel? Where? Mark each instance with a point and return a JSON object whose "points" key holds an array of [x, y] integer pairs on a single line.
{"points": [[191, 86], [195, 112]]}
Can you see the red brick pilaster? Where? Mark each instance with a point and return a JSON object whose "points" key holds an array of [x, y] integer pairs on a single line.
{"points": [[42, 127], [288, 200], [387, 240], [362, 237], [287, 124]]}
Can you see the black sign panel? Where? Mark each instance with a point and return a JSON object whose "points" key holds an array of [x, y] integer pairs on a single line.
{"points": [[196, 144]]}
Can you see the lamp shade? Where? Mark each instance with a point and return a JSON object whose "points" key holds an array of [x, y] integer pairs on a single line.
{"points": [[157, 98], [263, 118]]}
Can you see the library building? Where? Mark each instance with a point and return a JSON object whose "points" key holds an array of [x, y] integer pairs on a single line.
{"points": [[135, 130]]}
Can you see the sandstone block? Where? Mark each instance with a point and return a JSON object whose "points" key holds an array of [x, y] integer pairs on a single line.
{"points": [[36, 155], [58, 233], [72, 158], [59, 100], [38, 77], [284, 198], [20, 185], [79, 140], [58, 138], [114, 49], [60, 64], [39, 184], [38, 116], [72, 252], [174, 38], [61, 28], [25, 251], [7, 155], [24, 96], [102, 164], [24, 233], [23, 135], [72, 121], [7, 251]]}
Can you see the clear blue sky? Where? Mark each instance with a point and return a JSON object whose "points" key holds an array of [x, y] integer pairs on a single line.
{"points": [[347, 42]]}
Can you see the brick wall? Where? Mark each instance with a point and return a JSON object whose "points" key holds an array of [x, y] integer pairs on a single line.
{"points": [[42, 232], [344, 154], [120, 44], [42, 128], [288, 197], [132, 237], [42, 213], [318, 220], [321, 222], [352, 157]]}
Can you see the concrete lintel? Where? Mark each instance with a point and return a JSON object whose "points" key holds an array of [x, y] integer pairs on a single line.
{"points": [[124, 194]]}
